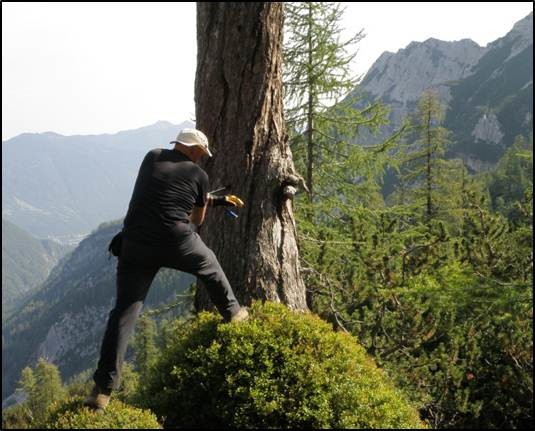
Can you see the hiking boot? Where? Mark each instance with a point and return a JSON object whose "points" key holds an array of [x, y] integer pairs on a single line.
{"points": [[240, 316], [98, 399]]}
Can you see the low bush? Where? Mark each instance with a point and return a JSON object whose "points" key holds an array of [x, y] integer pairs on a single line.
{"points": [[279, 369], [73, 415]]}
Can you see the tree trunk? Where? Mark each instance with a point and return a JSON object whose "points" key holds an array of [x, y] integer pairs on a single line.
{"points": [[429, 204], [238, 98], [310, 113]]}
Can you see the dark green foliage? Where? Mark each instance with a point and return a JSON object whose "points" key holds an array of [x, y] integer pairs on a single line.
{"points": [[145, 344], [49, 404], [458, 340], [42, 388], [317, 64], [280, 369], [17, 417], [423, 166], [80, 384], [443, 303], [512, 180], [449, 317]]}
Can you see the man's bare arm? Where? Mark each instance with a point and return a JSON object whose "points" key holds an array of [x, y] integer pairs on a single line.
{"points": [[197, 215]]}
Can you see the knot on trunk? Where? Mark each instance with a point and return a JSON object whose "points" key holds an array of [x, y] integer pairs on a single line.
{"points": [[291, 184]]}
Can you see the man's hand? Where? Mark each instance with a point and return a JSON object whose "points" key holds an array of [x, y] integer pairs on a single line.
{"points": [[227, 200], [234, 200]]}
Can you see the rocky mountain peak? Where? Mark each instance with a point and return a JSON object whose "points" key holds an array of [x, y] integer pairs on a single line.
{"points": [[520, 37], [524, 28], [420, 65], [487, 91]]}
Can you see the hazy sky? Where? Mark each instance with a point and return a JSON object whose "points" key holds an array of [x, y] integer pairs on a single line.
{"points": [[90, 68]]}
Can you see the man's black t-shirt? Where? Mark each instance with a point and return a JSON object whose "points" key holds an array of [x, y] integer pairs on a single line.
{"points": [[168, 185]]}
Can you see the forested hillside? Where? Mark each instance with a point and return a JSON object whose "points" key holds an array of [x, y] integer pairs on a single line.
{"points": [[26, 263]]}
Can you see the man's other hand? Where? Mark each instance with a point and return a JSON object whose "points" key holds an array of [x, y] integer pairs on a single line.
{"points": [[234, 200]]}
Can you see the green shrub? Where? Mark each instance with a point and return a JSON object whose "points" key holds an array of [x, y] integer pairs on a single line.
{"points": [[80, 384], [16, 417], [279, 369], [72, 414]]}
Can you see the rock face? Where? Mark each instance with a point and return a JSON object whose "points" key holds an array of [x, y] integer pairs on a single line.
{"points": [[522, 33], [494, 104], [399, 79], [73, 331], [488, 91], [488, 130], [402, 77]]}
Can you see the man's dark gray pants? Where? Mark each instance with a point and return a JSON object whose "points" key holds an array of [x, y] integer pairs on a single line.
{"points": [[137, 267]]}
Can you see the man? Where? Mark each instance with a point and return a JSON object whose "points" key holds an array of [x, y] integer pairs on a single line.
{"points": [[170, 195]]}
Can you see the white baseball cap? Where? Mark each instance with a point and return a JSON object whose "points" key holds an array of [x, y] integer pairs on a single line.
{"points": [[192, 137]]}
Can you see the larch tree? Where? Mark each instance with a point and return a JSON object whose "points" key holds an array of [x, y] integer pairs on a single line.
{"points": [[239, 106], [425, 159], [320, 98]]}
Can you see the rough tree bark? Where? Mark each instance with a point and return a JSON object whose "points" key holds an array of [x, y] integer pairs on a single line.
{"points": [[238, 98]]}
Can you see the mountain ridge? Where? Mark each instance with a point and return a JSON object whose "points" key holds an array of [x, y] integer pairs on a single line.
{"points": [[26, 263], [76, 182], [488, 91]]}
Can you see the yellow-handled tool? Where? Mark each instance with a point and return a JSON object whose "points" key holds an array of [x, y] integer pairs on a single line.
{"points": [[234, 200], [227, 200]]}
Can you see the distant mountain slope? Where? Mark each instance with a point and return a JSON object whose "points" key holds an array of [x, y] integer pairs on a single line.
{"points": [[488, 91], [494, 104], [64, 321], [26, 263], [64, 186]]}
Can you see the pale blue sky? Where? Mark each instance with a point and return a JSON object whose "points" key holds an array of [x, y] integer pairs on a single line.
{"points": [[89, 68]]}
